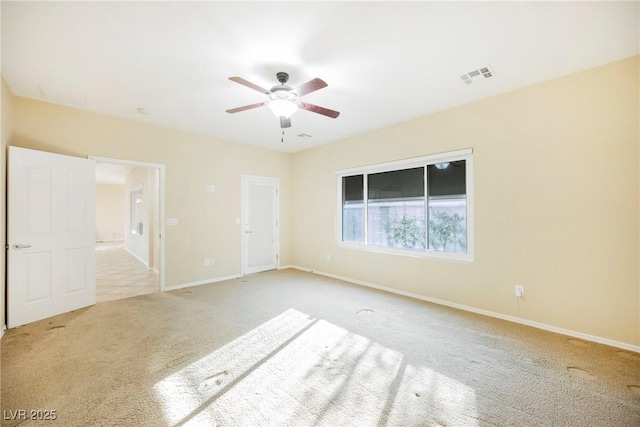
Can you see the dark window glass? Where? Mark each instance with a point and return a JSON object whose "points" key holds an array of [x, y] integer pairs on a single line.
{"points": [[396, 184], [395, 209], [447, 206], [353, 209]]}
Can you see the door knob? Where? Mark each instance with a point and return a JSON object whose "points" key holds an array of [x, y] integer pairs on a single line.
{"points": [[20, 246]]}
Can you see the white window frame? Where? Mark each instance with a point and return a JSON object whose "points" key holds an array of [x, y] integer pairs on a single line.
{"points": [[424, 161]]}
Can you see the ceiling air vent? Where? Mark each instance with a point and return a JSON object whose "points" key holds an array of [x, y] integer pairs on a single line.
{"points": [[479, 74]]}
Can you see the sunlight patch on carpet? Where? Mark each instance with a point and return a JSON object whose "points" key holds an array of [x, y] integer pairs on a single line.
{"points": [[297, 370]]}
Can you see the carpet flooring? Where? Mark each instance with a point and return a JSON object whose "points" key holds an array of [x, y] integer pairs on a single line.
{"points": [[288, 348]]}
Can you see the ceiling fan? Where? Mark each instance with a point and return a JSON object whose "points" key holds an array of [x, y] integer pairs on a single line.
{"points": [[285, 100]]}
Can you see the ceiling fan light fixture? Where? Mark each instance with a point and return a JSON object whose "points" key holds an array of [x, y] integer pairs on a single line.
{"points": [[283, 108], [283, 100]]}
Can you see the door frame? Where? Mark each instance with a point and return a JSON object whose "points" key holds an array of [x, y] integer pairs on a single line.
{"points": [[244, 206], [161, 204]]}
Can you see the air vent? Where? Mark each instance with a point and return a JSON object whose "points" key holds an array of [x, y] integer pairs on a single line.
{"points": [[479, 74], [60, 97]]}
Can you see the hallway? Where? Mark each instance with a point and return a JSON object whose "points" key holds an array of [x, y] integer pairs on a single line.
{"points": [[120, 275]]}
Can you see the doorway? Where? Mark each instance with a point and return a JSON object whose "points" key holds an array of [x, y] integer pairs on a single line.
{"points": [[129, 228], [260, 224]]}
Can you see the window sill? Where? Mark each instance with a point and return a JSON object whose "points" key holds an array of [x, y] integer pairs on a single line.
{"points": [[428, 254]]}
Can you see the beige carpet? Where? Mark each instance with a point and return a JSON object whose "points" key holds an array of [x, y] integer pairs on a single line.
{"points": [[294, 349]]}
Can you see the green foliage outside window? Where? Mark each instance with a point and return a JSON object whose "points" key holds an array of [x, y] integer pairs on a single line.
{"points": [[409, 233], [446, 231]]}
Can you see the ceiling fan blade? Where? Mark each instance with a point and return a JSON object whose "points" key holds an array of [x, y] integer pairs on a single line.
{"points": [[285, 122], [310, 86], [320, 110], [248, 84], [246, 107]]}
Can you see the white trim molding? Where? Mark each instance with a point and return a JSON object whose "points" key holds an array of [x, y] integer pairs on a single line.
{"points": [[201, 282], [161, 202], [245, 181], [146, 264], [405, 163], [4, 329], [538, 325]]}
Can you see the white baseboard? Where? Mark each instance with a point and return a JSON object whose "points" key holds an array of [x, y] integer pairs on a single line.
{"points": [[4, 329], [284, 267], [137, 257], [200, 282], [550, 328]]}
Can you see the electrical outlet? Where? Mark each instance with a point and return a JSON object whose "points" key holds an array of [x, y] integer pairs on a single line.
{"points": [[207, 262], [212, 261], [520, 291]]}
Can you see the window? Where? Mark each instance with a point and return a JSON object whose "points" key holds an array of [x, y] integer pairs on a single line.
{"points": [[447, 213], [395, 209], [353, 209], [417, 207]]}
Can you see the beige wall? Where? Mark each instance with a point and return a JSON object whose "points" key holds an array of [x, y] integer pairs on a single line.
{"points": [[207, 221], [153, 178], [138, 244], [147, 246], [110, 212], [556, 203]]}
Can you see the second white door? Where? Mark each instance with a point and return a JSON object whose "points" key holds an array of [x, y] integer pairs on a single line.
{"points": [[260, 224]]}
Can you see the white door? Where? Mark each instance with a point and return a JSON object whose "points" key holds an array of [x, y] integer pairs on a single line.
{"points": [[260, 224], [51, 235]]}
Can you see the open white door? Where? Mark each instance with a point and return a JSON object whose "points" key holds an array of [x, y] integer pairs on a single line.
{"points": [[259, 224], [51, 235]]}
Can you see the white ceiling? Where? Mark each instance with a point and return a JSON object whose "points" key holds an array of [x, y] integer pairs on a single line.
{"points": [[384, 62]]}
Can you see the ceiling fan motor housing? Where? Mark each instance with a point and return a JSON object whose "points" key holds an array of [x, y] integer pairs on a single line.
{"points": [[282, 77], [282, 91]]}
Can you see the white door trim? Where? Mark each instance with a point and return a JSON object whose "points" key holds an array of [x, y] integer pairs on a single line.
{"points": [[161, 197], [244, 206]]}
